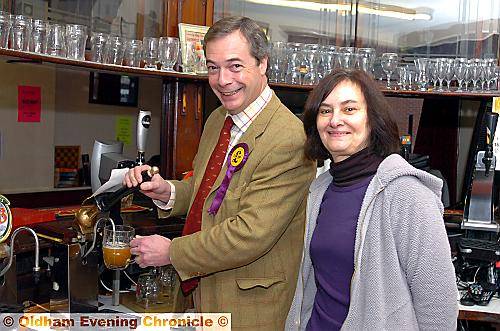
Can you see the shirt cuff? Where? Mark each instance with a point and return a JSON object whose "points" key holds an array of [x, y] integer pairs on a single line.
{"points": [[170, 204]]}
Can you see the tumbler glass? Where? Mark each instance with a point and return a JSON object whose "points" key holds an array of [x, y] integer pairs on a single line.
{"points": [[166, 279], [97, 46], [168, 52], [5, 24], [20, 31], [133, 53], [76, 37], [188, 55], [38, 37], [115, 49], [56, 40], [150, 52], [147, 289], [347, 57]]}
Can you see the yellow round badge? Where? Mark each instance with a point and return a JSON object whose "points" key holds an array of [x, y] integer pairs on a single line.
{"points": [[237, 156]]}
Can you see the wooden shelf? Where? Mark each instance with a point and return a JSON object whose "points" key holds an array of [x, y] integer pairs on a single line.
{"points": [[19, 56], [29, 57]]}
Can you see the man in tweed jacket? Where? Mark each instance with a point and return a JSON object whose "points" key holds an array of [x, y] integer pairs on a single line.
{"points": [[248, 253]]}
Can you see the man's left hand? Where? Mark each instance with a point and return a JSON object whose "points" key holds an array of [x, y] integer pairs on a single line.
{"points": [[151, 250]]}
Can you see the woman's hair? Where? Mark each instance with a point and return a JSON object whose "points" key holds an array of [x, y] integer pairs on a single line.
{"points": [[253, 33], [384, 136]]}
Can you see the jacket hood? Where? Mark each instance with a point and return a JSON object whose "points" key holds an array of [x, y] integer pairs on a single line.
{"points": [[394, 166]]}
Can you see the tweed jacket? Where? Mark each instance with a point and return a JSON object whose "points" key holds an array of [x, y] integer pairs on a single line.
{"points": [[248, 254], [404, 278]]}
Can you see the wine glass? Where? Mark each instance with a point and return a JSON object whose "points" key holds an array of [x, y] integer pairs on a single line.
{"points": [[389, 62], [168, 52], [460, 69], [422, 68], [150, 52]]}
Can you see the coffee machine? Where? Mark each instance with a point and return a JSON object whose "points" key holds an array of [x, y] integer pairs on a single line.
{"points": [[479, 248]]}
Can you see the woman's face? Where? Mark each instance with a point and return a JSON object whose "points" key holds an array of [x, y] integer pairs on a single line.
{"points": [[342, 121]]}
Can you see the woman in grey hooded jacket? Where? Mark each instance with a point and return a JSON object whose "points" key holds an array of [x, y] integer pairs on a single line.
{"points": [[376, 254]]}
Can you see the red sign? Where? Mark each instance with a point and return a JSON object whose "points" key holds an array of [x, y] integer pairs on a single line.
{"points": [[29, 103]]}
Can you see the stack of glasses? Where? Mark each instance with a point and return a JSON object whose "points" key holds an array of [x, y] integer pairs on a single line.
{"points": [[22, 33], [449, 75], [307, 64]]}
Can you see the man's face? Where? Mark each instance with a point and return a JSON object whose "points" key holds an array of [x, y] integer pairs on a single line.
{"points": [[233, 73]]}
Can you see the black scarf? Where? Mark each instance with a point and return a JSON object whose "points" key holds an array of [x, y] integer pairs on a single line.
{"points": [[355, 168]]}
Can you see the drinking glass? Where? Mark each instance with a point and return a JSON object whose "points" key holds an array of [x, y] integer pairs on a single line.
{"points": [[38, 37], [475, 70], [56, 40], [313, 63], [365, 59], [5, 24], [133, 53], [116, 246], [150, 52], [167, 279], [98, 46], [449, 72], [168, 52], [76, 37], [347, 58], [200, 62], [422, 70], [489, 72], [20, 30], [277, 62], [188, 56], [402, 77], [114, 50], [147, 289], [441, 72], [460, 70], [389, 62], [295, 59]]}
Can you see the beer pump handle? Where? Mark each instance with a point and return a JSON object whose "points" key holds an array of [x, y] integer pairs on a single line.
{"points": [[105, 202], [490, 120], [143, 123]]}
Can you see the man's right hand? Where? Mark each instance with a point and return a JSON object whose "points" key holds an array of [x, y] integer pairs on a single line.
{"points": [[157, 188]]}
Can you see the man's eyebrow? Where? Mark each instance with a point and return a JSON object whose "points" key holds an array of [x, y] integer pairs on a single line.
{"points": [[233, 59]]}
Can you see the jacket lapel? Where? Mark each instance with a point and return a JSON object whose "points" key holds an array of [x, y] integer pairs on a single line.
{"points": [[255, 130]]}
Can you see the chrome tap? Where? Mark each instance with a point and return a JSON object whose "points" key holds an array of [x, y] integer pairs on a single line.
{"points": [[36, 268]]}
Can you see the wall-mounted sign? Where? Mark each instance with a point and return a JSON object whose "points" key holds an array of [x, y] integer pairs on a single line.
{"points": [[29, 103]]}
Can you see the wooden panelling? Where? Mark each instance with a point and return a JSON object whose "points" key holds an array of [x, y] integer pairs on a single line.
{"points": [[189, 120], [193, 11]]}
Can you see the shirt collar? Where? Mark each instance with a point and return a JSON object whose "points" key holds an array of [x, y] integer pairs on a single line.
{"points": [[244, 118]]}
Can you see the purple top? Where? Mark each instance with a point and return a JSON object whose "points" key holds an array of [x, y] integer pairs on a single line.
{"points": [[332, 253]]}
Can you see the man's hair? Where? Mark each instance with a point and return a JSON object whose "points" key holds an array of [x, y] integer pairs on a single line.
{"points": [[384, 136], [253, 33]]}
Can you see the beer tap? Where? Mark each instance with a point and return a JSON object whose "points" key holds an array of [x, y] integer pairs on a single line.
{"points": [[86, 217], [143, 123], [491, 120], [36, 268]]}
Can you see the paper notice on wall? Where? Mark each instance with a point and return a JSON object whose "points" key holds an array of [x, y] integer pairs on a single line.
{"points": [[29, 103], [123, 129], [496, 140]]}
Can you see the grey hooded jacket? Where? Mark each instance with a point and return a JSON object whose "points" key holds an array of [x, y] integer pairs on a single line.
{"points": [[403, 275]]}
